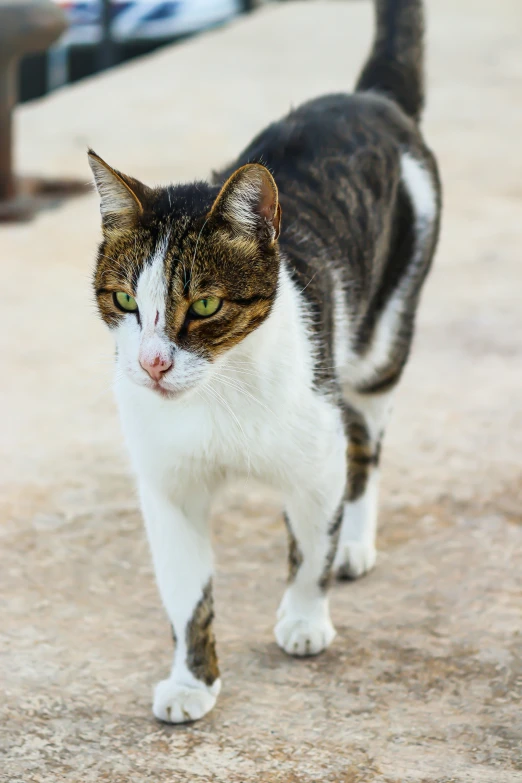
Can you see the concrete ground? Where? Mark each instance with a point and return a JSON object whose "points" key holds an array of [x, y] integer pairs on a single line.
{"points": [[424, 680]]}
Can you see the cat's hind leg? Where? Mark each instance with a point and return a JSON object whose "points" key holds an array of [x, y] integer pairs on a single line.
{"points": [[374, 369], [365, 419]]}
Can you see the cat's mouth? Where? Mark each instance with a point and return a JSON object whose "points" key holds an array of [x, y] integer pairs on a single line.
{"points": [[166, 393]]}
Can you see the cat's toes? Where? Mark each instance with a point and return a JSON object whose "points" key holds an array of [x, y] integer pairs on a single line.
{"points": [[301, 637], [179, 703], [353, 559]]}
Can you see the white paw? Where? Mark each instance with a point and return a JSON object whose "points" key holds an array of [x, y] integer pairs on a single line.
{"points": [[176, 702], [353, 559], [299, 636]]}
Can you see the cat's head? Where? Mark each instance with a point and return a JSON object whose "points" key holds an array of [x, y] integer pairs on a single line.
{"points": [[184, 273]]}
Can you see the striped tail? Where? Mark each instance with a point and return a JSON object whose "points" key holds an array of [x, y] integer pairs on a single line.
{"points": [[395, 65]]}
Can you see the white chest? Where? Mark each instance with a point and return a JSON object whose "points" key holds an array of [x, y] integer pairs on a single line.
{"points": [[224, 431]]}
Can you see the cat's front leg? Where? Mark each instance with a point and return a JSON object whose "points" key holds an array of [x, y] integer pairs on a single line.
{"points": [[179, 539], [313, 519]]}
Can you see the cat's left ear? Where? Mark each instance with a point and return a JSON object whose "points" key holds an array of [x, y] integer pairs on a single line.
{"points": [[249, 202]]}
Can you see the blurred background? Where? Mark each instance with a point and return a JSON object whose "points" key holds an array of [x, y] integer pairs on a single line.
{"points": [[424, 681], [103, 33]]}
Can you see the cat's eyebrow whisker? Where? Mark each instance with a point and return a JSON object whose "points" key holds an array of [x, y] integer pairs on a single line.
{"points": [[186, 278], [120, 276], [109, 258], [196, 247]]}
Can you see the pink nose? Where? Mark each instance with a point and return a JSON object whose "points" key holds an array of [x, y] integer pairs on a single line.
{"points": [[156, 367]]}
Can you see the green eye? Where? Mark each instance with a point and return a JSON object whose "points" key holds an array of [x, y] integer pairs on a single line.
{"points": [[125, 302], [205, 307]]}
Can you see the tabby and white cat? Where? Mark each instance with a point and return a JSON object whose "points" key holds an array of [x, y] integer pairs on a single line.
{"points": [[262, 323]]}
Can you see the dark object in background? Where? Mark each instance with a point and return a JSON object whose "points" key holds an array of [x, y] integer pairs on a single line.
{"points": [[103, 33], [82, 61], [106, 48], [25, 26]]}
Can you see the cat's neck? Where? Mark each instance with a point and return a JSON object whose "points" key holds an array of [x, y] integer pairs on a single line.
{"points": [[280, 349]]}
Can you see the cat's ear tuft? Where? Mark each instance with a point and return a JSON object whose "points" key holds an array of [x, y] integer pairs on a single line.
{"points": [[249, 202], [121, 197]]}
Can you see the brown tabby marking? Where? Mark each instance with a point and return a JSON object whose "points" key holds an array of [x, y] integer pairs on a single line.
{"points": [[295, 556], [333, 532], [201, 644], [361, 455]]}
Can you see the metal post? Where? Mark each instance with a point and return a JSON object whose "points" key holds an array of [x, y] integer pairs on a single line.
{"points": [[7, 102], [26, 26], [106, 54], [57, 66]]}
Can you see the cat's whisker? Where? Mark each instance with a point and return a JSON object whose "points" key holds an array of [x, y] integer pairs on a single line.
{"points": [[229, 381], [225, 404], [306, 286], [244, 392]]}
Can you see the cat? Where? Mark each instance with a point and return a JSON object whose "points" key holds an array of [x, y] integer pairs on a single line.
{"points": [[262, 322]]}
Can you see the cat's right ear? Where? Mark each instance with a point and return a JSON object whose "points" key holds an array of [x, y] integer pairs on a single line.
{"points": [[121, 197], [249, 202]]}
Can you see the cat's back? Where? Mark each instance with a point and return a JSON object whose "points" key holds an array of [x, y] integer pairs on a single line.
{"points": [[332, 136], [337, 163]]}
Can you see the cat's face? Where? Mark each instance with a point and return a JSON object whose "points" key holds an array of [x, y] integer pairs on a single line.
{"points": [[185, 273]]}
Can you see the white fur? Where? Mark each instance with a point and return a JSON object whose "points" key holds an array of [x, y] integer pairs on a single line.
{"points": [[419, 183], [176, 703], [242, 202]]}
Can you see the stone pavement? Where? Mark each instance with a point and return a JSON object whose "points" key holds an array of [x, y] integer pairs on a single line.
{"points": [[424, 680]]}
